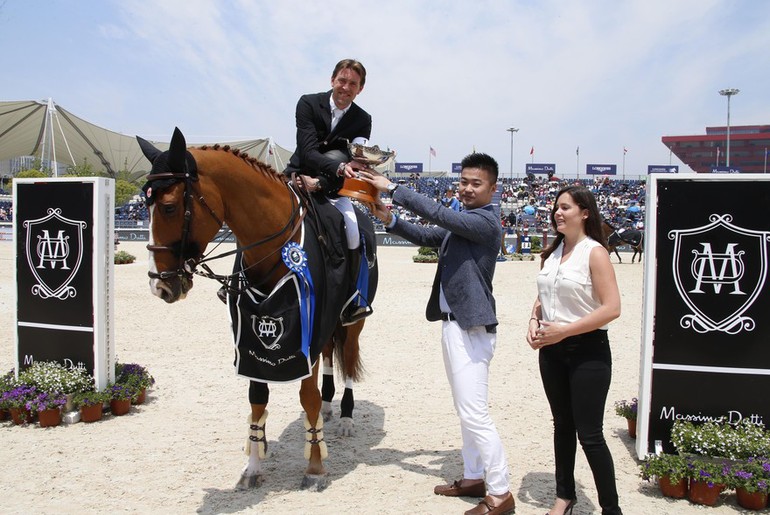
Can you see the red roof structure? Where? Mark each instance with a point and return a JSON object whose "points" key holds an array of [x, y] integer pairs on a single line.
{"points": [[749, 145]]}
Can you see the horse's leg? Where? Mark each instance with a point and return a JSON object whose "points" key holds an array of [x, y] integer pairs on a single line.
{"points": [[256, 444], [617, 254], [327, 381], [352, 363], [315, 446]]}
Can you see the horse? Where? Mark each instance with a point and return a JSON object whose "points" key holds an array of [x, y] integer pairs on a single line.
{"points": [[191, 194], [617, 237]]}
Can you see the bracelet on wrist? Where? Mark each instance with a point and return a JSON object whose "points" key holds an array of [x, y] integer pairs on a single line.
{"points": [[535, 319]]}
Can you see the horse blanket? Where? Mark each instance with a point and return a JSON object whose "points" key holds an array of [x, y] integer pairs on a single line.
{"points": [[278, 335]]}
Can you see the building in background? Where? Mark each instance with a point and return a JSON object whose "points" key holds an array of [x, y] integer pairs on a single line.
{"points": [[748, 148]]}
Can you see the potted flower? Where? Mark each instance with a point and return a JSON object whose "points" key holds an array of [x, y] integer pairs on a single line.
{"points": [[628, 411], [90, 405], [671, 472], [751, 480], [134, 376], [708, 478], [7, 382], [721, 440], [16, 400], [48, 406], [51, 376], [120, 397]]}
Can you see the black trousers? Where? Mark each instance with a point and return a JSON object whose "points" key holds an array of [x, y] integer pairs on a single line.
{"points": [[576, 375]]}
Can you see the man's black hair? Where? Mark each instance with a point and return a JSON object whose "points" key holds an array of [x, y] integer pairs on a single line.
{"points": [[483, 161]]}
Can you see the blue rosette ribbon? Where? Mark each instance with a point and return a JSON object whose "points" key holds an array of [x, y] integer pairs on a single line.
{"points": [[295, 258]]}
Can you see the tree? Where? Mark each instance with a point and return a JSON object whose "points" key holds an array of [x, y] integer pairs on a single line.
{"points": [[124, 191], [84, 170]]}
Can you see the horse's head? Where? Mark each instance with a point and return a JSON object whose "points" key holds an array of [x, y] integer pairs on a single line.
{"points": [[180, 227]]}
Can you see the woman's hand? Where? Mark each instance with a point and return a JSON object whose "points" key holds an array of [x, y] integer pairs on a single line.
{"points": [[546, 333]]}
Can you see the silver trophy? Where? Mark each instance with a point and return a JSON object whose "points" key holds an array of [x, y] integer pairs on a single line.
{"points": [[371, 157]]}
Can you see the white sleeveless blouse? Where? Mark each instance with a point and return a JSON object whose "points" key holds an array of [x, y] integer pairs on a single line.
{"points": [[565, 289]]}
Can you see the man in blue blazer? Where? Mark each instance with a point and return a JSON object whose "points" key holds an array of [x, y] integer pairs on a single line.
{"points": [[326, 122], [468, 242]]}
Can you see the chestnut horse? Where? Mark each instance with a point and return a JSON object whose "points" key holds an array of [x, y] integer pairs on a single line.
{"points": [[617, 237], [191, 194]]}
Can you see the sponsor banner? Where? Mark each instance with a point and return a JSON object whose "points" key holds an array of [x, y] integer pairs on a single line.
{"points": [[725, 169], [408, 167], [706, 300], [384, 239], [662, 168], [541, 168], [63, 233], [457, 168], [601, 169]]}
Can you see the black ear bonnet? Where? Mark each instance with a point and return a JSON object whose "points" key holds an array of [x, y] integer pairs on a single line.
{"points": [[169, 167]]}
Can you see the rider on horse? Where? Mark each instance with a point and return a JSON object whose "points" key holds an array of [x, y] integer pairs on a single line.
{"points": [[326, 122]]}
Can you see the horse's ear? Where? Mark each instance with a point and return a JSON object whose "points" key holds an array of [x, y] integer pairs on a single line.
{"points": [[177, 151], [148, 149]]}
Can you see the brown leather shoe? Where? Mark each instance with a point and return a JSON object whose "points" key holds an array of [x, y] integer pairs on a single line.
{"points": [[486, 506], [457, 490]]}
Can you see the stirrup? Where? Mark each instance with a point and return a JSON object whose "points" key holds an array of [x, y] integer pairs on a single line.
{"points": [[353, 312]]}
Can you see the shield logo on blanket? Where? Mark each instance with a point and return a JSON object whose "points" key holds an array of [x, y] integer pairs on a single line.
{"points": [[268, 330]]}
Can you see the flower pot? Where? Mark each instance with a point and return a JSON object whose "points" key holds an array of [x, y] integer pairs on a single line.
{"points": [[701, 493], [751, 500], [676, 490], [631, 428], [49, 417], [4, 415], [91, 413], [20, 415], [141, 397], [120, 406]]}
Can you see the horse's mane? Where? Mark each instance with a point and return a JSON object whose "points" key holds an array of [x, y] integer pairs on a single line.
{"points": [[252, 161]]}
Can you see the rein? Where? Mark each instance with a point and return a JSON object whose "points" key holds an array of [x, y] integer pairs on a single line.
{"points": [[188, 267]]}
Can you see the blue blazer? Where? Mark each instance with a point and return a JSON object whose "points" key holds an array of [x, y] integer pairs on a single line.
{"points": [[468, 243]]}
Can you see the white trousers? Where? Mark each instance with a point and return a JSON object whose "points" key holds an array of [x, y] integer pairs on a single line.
{"points": [[345, 206], [467, 355]]}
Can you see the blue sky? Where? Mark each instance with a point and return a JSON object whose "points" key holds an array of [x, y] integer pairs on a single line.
{"points": [[452, 75]]}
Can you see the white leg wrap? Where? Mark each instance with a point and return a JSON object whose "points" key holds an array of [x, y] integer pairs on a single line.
{"points": [[257, 435], [315, 437]]}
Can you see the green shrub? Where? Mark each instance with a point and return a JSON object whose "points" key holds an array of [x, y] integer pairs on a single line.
{"points": [[123, 258]]}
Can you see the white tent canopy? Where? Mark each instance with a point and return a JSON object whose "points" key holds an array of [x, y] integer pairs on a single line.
{"points": [[50, 132]]}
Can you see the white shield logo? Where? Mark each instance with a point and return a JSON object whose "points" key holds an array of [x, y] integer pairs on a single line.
{"points": [[719, 270], [54, 253], [268, 330]]}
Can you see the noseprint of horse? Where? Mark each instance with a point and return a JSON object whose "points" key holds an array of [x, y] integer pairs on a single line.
{"points": [[289, 265]]}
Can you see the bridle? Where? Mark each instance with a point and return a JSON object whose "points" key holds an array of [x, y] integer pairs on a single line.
{"points": [[187, 267]]}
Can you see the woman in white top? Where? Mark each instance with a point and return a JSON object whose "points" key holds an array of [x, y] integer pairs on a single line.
{"points": [[577, 297]]}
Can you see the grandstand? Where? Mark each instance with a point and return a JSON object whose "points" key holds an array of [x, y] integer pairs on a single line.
{"points": [[523, 202]]}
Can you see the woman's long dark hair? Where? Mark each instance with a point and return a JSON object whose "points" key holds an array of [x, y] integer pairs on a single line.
{"points": [[593, 224]]}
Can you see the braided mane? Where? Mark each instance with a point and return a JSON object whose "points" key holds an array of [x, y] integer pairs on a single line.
{"points": [[252, 161]]}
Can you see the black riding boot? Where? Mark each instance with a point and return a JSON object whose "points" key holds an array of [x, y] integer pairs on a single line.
{"points": [[352, 312]]}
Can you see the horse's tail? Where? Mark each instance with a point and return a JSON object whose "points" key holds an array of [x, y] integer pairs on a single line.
{"points": [[346, 350]]}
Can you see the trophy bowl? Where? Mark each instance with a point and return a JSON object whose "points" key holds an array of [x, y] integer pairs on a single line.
{"points": [[370, 156]]}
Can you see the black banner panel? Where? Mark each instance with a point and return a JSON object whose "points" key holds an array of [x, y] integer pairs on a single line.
{"points": [[64, 250], [707, 304]]}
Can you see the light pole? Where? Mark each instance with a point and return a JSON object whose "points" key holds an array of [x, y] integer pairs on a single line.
{"points": [[728, 93], [512, 130]]}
